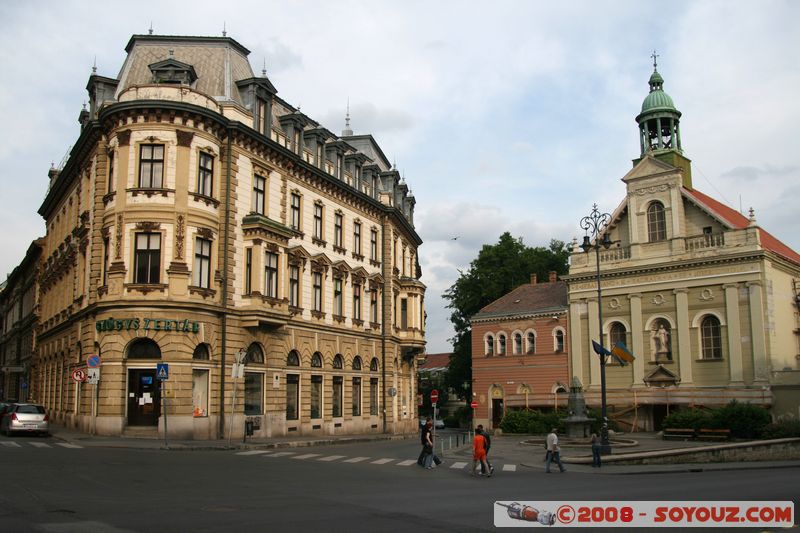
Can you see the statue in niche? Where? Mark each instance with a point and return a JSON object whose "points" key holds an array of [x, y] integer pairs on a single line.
{"points": [[660, 342]]}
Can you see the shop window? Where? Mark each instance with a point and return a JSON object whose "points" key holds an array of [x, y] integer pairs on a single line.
{"points": [[338, 396], [316, 397], [253, 393], [292, 396], [356, 396], [199, 392]]}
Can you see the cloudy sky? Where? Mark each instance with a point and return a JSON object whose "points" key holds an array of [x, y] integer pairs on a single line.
{"points": [[503, 116]]}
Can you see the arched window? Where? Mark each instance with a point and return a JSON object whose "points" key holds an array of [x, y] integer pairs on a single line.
{"points": [[656, 223], [338, 362], [316, 360], [517, 343], [501, 340], [616, 334], [254, 354], [293, 359], [373, 365], [144, 349], [531, 342], [711, 338], [559, 341], [489, 345], [357, 363], [201, 352]]}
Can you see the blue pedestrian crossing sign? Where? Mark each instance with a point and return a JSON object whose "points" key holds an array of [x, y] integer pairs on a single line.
{"points": [[162, 371]]}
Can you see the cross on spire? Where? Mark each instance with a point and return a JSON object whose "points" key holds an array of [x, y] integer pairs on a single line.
{"points": [[655, 56]]}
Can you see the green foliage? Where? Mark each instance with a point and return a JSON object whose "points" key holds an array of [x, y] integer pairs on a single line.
{"points": [[746, 421], [782, 429], [464, 415], [498, 269], [531, 421], [688, 419]]}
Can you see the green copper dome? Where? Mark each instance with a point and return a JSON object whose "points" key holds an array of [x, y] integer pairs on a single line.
{"points": [[657, 100]]}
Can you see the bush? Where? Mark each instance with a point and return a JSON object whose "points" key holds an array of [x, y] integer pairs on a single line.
{"points": [[746, 421], [782, 429], [688, 419], [529, 421]]}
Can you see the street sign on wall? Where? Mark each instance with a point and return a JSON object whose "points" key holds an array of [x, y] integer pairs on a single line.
{"points": [[162, 371], [93, 361], [79, 375], [93, 376]]}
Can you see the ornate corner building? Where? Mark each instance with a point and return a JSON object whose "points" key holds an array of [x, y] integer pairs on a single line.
{"points": [[520, 358], [703, 296], [200, 219]]}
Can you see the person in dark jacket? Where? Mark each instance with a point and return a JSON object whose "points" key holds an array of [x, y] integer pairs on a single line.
{"points": [[426, 441]]}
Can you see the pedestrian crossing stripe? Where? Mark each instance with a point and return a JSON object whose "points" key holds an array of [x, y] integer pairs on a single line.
{"points": [[458, 465], [509, 468], [40, 445], [406, 463], [331, 458], [306, 456], [11, 444], [280, 454], [382, 461], [356, 459], [67, 445], [253, 452]]}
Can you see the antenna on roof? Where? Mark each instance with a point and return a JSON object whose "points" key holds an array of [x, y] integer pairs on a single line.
{"points": [[264, 69], [150, 31], [347, 132], [224, 33]]}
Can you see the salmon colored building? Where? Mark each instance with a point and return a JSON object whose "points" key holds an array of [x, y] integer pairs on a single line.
{"points": [[520, 356]]}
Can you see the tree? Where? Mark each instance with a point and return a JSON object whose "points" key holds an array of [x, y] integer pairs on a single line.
{"points": [[498, 269]]}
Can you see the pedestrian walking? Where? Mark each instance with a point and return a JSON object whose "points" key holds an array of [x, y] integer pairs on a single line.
{"points": [[553, 451], [479, 452], [424, 438], [595, 450], [488, 440]]}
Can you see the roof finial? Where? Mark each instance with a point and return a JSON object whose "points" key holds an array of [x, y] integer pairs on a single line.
{"points": [[752, 216], [347, 116], [264, 68], [224, 33], [150, 31], [94, 66], [655, 56]]}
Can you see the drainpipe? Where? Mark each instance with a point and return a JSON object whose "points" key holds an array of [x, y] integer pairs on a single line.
{"points": [[223, 313], [383, 322]]}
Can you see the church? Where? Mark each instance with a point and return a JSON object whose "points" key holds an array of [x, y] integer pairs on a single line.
{"points": [[705, 299]]}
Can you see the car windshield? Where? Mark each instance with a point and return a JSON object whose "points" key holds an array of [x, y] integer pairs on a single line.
{"points": [[30, 409]]}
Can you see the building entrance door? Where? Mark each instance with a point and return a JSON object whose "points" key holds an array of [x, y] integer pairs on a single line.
{"points": [[497, 412], [144, 397]]}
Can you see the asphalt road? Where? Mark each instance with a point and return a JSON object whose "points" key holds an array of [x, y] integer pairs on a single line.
{"points": [[52, 488]]}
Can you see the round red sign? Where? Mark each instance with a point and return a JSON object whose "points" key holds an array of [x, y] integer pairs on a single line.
{"points": [[474, 405], [434, 395]]}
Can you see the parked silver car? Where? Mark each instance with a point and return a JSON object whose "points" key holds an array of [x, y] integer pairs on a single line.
{"points": [[25, 418]]}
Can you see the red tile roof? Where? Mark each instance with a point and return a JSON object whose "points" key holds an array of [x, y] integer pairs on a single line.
{"points": [[736, 220], [436, 360], [528, 299]]}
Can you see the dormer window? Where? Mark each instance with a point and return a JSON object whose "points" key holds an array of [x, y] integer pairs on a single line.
{"points": [[173, 71]]}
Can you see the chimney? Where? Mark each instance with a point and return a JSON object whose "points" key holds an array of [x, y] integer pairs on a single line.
{"points": [[553, 276], [533, 278]]}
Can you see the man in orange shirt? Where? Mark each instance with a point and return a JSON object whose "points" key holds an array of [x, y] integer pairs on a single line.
{"points": [[479, 453]]}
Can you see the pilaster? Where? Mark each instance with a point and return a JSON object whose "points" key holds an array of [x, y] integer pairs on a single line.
{"points": [[757, 335], [734, 332], [594, 334], [576, 347], [637, 339], [684, 344]]}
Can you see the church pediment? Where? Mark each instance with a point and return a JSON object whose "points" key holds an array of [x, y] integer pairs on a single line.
{"points": [[661, 376], [648, 166]]}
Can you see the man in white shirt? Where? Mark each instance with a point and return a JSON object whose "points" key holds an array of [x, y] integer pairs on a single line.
{"points": [[553, 451]]}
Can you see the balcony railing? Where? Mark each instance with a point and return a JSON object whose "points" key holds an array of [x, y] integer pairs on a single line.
{"points": [[708, 240], [615, 254]]}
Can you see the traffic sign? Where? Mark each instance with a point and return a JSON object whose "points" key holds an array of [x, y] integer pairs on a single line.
{"points": [[474, 404], [93, 361], [162, 371], [93, 375], [78, 375], [434, 396]]}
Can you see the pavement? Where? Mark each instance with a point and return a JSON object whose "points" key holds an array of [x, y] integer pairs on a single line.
{"points": [[507, 448]]}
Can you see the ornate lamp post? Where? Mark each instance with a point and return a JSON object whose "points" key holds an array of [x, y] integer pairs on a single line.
{"points": [[595, 225]]}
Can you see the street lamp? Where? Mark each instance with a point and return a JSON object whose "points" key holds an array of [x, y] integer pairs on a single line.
{"points": [[596, 225]]}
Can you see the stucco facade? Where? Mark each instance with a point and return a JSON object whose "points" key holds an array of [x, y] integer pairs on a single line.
{"points": [[200, 216]]}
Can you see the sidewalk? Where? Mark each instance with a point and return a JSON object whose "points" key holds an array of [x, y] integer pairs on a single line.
{"points": [[511, 449], [84, 439]]}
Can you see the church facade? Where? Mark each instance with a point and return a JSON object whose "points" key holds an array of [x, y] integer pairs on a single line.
{"points": [[704, 298], [201, 222]]}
